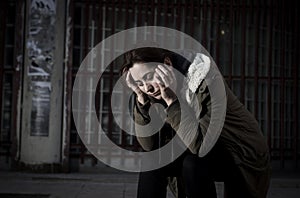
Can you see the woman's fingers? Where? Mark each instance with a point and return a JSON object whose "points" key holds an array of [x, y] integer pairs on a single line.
{"points": [[167, 94], [131, 84], [166, 75], [163, 70], [130, 81], [168, 70], [163, 77], [128, 77]]}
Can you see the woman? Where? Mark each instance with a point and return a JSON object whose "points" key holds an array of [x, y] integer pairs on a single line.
{"points": [[240, 156]]}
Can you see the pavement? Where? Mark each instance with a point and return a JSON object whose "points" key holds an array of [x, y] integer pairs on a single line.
{"points": [[106, 184]]}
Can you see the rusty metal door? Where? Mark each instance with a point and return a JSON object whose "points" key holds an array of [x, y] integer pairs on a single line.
{"points": [[11, 50], [254, 43]]}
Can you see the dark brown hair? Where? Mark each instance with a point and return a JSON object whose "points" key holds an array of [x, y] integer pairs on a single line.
{"points": [[153, 54], [144, 55]]}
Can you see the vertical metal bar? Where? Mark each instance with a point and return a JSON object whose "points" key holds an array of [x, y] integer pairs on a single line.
{"points": [[123, 133], [86, 27], [256, 57], [99, 39], [159, 10], [100, 21], [281, 8], [111, 74], [296, 87], [166, 21], [113, 16], [269, 64], [231, 42], [192, 18], [3, 15], [217, 44], [133, 4], [139, 10], [93, 43], [178, 22], [243, 61], [94, 6], [186, 22], [127, 15], [211, 29], [153, 12], [172, 7], [97, 17], [7, 142], [146, 16], [199, 11], [69, 65], [19, 45], [86, 49], [204, 29]]}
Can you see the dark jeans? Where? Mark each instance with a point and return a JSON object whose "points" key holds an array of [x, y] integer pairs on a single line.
{"points": [[198, 176]]}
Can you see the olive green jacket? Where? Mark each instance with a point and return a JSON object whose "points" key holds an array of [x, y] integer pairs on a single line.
{"points": [[234, 126]]}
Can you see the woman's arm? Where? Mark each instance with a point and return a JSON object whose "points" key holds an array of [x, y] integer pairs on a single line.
{"points": [[142, 118], [183, 120]]}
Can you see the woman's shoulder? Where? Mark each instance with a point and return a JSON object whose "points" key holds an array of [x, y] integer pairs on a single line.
{"points": [[198, 71]]}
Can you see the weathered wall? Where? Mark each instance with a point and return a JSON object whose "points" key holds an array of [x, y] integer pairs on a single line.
{"points": [[43, 83]]}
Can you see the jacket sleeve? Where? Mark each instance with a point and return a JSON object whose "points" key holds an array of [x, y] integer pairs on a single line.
{"points": [[194, 117], [183, 120], [142, 118]]}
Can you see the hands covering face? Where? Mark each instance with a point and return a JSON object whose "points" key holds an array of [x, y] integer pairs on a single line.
{"points": [[167, 83], [141, 96], [162, 82]]}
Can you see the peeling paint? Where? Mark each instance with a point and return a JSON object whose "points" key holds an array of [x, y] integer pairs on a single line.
{"points": [[41, 47], [46, 6], [40, 108]]}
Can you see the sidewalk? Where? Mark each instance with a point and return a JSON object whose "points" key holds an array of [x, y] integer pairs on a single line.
{"points": [[112, 185]]}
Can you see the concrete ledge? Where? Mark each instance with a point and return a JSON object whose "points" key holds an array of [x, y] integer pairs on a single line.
{"points": [[37, 168]]}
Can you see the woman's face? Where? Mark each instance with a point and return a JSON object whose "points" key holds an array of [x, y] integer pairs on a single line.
{"points": [[146, 79]]}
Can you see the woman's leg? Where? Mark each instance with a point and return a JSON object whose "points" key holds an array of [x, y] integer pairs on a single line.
{"points": [[234, 185], [152, 184], [226, 170], [198, 178], [199, 175]]}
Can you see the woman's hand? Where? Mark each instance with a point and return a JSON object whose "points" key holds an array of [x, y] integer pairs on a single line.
{"points": [[167, 83], [131, 84]]}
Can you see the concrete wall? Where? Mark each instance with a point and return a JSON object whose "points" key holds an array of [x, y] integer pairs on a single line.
{"points": [[41, 125]]}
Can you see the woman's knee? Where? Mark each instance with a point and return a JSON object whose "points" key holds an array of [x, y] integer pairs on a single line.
{"points": [[189, 162], [194, 163], [197, 178], [196, 169]]}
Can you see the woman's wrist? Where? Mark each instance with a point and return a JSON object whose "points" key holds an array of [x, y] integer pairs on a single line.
{"points": [[170, 101], [141, 99]]}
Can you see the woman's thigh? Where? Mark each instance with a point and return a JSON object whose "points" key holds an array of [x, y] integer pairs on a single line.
{"points": [[154, 183], [223, 168]]}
